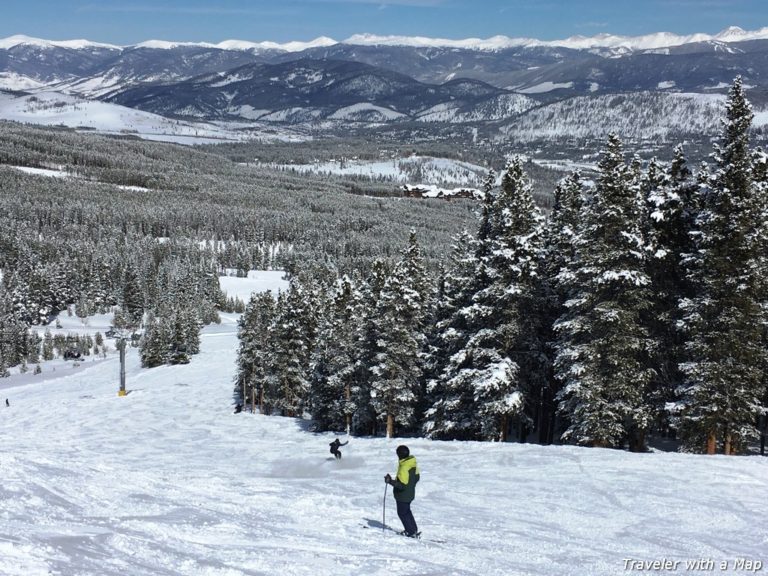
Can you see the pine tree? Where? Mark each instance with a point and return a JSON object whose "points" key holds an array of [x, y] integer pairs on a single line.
{"points": [[526, 277], [724, 387], [564, 227], [494, 326], [291, 353], [190, 320], [560, 266], [178, 340], [489, 198], [368, 333], [333, 361], [395, 374], [255, 332], [476, 358], [670, 211], [602, 347], [15, 339], [132, 296], [760, 181], [451, 400], [154, 343], [402, 309], [508, 335], [47, 345]]}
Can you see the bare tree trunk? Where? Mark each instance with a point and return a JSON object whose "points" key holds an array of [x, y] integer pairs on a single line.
{"points": [[390, 425], [637, 440], [348, 417], [504, 426], [261, 400], [728, 447], [253, 401], [712, 443]]}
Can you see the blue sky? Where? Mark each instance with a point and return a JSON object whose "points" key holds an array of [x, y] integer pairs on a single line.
{"points": [[132, 21]]}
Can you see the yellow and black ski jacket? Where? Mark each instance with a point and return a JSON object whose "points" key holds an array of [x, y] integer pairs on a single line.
{"points": [[404, 484]]}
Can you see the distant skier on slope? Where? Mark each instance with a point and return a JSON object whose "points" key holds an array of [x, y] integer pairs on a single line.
{"points": [[335, 448], [404, 489]]}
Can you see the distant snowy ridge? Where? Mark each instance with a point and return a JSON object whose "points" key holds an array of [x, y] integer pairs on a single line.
{"points": [[641, 115], [646, 42], [16, 40], [242, 45], [20, 39], [54, 108]]}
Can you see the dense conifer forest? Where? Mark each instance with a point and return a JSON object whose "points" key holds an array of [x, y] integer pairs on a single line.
{"points": [[635, 308], [104, 222], [629, 304]]}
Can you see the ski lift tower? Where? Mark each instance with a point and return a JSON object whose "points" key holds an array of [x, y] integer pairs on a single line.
{"points": [[121, 347], [121, 336]]}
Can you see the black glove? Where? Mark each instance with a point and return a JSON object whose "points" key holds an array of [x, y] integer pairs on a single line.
{"points": [[388, 479]]}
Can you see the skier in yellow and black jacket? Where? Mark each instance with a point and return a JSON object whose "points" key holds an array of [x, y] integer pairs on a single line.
{"points": [[404, 489]]}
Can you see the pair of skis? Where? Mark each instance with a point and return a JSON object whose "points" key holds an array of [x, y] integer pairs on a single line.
{"points": [[374, 524]]}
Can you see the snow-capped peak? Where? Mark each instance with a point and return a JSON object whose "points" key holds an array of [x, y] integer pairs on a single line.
{"points": [[294, 46], [242, 45], [645, 42], [12, 41], [493, 43], [736, 34]]}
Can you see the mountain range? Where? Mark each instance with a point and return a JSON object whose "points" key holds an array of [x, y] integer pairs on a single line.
{"points": [[374, 79]]}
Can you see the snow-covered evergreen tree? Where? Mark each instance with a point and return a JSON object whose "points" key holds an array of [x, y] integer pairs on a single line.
{"points": [[176, 322], [508, 334], [47, 345], [368, 332], [451, 412], [492, 321], [291, 352], [255, 329], [560, 265], [602, 347], [670, 210], [154, 343], [333, 361], [132, 296], [723, 390], [564, 225], [178, 352], [15, 339], [398, 360]]}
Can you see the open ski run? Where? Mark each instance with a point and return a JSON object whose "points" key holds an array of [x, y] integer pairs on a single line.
{"points": [[168, 481]]}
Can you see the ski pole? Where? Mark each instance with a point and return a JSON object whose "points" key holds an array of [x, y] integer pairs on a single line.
{"points": [[384, 509]]}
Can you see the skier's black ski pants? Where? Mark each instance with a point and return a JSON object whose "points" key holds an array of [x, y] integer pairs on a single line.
{"points": [[406, 517]]}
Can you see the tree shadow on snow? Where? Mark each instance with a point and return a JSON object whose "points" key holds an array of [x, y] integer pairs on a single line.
{"points": [[306, 425]]}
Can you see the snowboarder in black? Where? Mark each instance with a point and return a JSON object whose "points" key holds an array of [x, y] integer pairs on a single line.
{"points": [[404, 489], [335, 448], [7, 403]]}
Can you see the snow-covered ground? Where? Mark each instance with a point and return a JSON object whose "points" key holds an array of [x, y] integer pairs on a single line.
{"points": [[168, 481], [50, 108], [257, 281], [43, 172], [431, 170]]}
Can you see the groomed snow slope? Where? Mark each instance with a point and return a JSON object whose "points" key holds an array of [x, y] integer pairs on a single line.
{"points": [[168, 481]]}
